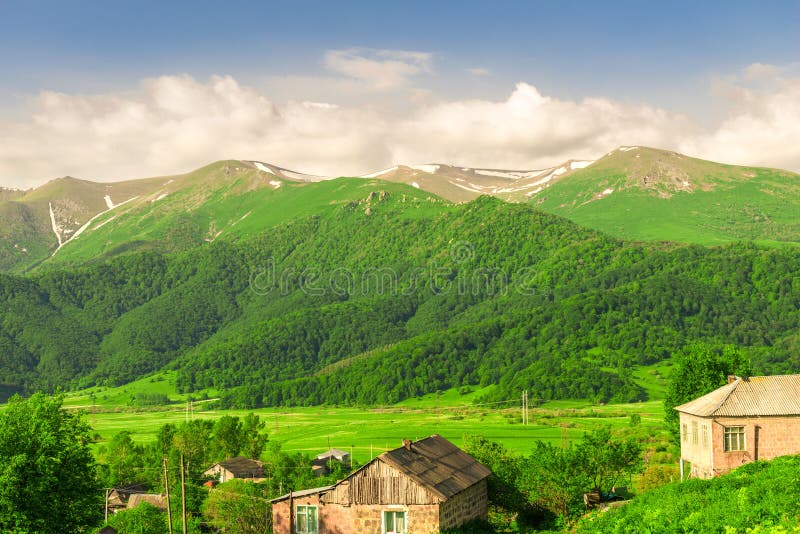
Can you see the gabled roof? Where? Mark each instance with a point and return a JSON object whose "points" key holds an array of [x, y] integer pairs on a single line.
{"points": [[437, 465], [241, 467], [156, 499], [749, 397], [332, 453]]}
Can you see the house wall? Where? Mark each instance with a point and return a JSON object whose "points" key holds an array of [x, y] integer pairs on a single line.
{"points": [[765, 438], [361, 519], [701, 453], [220, 472], [472, 503]]}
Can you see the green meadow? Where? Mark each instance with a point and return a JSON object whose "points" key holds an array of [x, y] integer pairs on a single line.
{"points": [[368, 431]]}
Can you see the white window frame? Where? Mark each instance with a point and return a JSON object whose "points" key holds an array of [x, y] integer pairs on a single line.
{"points": [[306, 508], [728, 432], [395, 511], [695, 433]]}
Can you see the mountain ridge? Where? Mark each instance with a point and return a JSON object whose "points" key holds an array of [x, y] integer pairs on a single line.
{"points": [[632, 192]]}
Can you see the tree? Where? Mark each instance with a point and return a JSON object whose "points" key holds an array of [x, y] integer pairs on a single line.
{"points": [[48, 482], [144, 519], [700, 368], [607, 461], [239, 507]]}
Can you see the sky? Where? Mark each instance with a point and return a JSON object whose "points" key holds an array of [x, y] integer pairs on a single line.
{"points": [[116, 90]]}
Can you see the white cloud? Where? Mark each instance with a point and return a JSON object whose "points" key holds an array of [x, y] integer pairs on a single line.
{"points": [[763, 123], [176, 123], [379, 69]]}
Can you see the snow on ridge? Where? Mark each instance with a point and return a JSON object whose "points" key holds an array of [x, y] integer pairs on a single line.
{"points": [[498, 174], [261, 167], [109, 204], [55, 227], [415, 184], [606, 192], [275, 183], [84, 227], [379, 173], [626, 148], [472, 189], [580, 164], [429, 168], [300, 177], [160, 197]]}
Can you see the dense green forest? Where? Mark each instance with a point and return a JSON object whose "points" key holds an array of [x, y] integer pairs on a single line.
{"points": [[374, 303]]}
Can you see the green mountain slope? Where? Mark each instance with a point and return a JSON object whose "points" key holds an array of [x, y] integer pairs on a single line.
{"points": [[647, 194], [384, 298]]}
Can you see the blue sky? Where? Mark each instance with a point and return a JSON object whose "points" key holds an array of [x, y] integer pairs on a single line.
{"points": [[677, 57]]}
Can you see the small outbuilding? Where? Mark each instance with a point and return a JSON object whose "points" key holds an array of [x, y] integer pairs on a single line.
{"points": [[321, 465], [748, 419], [238, 467], [422, 487]]}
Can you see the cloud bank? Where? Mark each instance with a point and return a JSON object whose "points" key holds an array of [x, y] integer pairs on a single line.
{"points": [[176, 123]]}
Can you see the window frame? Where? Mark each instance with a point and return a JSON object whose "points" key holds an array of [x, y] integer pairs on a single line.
{"points": [[394, 513], [306, 508], [695, 433], [728, 433], [685, 428], [705, 435]]}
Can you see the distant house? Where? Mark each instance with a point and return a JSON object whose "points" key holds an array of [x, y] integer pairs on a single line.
{"points": [[756, 418], [159, 500], [422, 487], [118, 497], [322, 463], [238, 467]]}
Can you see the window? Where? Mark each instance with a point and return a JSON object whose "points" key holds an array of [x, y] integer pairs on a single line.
{"points": [[394, 522], [685, 432], [694, 432], [705, 436], [306, 520], [734, 438]]}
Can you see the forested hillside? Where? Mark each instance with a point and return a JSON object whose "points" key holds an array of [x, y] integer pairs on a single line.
{"points": [[374, 301]]}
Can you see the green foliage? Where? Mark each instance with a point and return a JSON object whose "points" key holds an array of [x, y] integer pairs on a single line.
{"points": [[699, 369], [144, 519], [239, 507], [47, 472], [757, 497]]}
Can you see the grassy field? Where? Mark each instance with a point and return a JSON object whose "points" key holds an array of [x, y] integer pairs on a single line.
{"points": [[369, 431]]}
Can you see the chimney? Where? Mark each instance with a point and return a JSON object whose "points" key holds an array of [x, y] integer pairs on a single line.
{"points": [[731, 379], [407, 444]]}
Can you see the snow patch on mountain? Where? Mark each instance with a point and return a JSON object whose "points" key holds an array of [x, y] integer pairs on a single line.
{"points": [[275, 183], [429, 168], [580, 164], [379, 173], [261, 167], [56, 228], [415, 184], [109, 204]]}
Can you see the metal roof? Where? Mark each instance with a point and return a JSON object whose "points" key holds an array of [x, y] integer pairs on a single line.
{"points": [[749, 397], [303, 493], [437, 465]]}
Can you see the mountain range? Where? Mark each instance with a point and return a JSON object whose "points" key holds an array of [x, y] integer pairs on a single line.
{"points": [[635, 193]]}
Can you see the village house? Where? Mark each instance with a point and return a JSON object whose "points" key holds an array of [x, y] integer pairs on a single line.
{"points": [[238, 467], [321, 465], [748, 419], [420, 488]]}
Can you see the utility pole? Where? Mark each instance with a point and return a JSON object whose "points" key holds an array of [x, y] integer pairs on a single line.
{"points": [[525, 407], [183, 496], [166, 489], [107, 490]]}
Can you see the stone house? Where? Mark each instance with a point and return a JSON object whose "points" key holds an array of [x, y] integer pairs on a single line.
{"points": [[238, 467], [419, 488], [756, 418]]}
